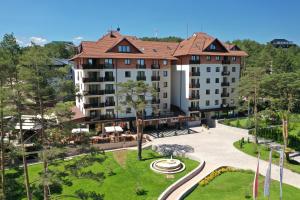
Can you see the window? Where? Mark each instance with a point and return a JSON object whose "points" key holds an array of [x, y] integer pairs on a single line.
{"points": [[218, 57], [165, 105], [127, 61], [233, 58], [233, 80], [217, 80], [128, 110], [232, 90], [212, 47], [108, 61], [140, 61], [217, 91], [165, 95], [217, 69], [216, 102], [233, 69], [195, 58], [127, 74], [207, 91], [208, 69], [90, 61], [165, 73], [208, 80], [123, 48], [165, 84], [207, 102], [165, 62], [231, 101], [208, 58]]}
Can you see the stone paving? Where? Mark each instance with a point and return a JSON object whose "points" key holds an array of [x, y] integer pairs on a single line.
{"points": [[215, 147]]}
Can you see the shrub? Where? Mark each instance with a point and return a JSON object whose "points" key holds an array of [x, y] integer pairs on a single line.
{"points": [[140, 191], [215, 174]]}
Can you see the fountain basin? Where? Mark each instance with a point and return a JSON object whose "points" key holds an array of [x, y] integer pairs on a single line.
{"points": [[167, 166]]}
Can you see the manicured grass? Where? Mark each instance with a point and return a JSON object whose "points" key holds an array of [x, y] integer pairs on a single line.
{"points": [[128, 174], [252, 149], [238, 186], [242, 123]]}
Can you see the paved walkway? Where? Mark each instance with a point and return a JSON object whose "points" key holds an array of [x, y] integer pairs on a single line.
{"points": [[215, 147]]}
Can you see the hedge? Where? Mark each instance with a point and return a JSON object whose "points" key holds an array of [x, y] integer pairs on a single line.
{"points": [[275, 133]]}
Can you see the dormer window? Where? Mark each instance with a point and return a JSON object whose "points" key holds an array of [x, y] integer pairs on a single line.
{"points": [[124, 49], [212, 47]]}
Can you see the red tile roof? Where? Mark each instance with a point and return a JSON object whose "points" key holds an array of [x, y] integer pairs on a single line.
{"points": [[195, 45]]}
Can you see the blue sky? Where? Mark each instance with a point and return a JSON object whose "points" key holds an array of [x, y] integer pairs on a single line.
{"points": [[44, 21]]}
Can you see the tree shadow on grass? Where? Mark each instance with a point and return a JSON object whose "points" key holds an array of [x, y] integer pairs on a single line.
{"points": [[151, 156], [14, 187]]}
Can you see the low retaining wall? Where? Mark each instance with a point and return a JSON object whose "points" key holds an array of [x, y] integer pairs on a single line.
{"points": [[181, 181], [117, 145]]}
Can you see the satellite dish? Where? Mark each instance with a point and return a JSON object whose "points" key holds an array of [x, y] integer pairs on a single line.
{"points": [[118, 29]]}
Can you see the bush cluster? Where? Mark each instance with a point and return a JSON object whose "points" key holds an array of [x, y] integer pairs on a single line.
{"points": [[215, 174]]}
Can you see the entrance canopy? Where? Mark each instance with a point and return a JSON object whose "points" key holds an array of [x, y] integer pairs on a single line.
{"points": [[113, 129]]}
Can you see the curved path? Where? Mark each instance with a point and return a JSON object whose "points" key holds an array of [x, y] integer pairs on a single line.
{"points": [[215, 147]]}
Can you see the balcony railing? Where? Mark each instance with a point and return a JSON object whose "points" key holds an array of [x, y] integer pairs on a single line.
{"points": [[224, 105], [225, 84], [194, 62], [155, 101], [140, 66], [103, 117], [194, 108], [94, 92], [155, 66], [94, 79], [157, 89], [225, 73], [91, 66], [195, 85], [155, 78], [109, 103], [109, 78], [93, 105], [194, 97], [195, 73], [109, 91], [107, 66], [141, 78], [225, 95], [225, 62]]}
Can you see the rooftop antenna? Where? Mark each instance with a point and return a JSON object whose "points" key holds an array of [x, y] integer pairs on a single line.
{"points": [[118, 29], [187, 30]]}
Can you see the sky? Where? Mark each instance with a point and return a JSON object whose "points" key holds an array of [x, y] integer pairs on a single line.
{"points": [[43, 21]]}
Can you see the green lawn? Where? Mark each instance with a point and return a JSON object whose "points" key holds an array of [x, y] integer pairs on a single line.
{"points": [[238, 186], [128, 175], [250, 149]]}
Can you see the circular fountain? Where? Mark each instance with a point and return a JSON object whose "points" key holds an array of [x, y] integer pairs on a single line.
{"points": [[167, 166]]}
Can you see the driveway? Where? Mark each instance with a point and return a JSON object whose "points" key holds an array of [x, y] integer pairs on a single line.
{"points": [[215, 146]]}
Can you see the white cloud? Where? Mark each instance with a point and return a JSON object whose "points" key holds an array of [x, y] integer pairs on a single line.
{"points": [[78, 38], [38, 40]]}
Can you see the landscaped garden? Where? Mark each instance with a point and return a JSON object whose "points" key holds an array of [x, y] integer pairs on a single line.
{"points": [[237, 186], [253, 149], [113, 175]]}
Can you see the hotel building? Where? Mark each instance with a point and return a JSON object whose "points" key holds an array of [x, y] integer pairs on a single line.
{"points": [[197, 76]]}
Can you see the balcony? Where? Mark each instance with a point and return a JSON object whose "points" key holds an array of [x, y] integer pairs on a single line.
{"points": [[194, 108], [107, 66], [155, 66], [194, 62], [141, 78], [225, 62], [94, 92], [195, 74], [140, 66], [109, 78], [91, 66], [109, 91], [194, 97], [155, 101], [157, 89], [223, 84], [93, 105], [155, 78], [94, 79], [109, 103], [225, 73], [225, 95], [195, 85]]}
